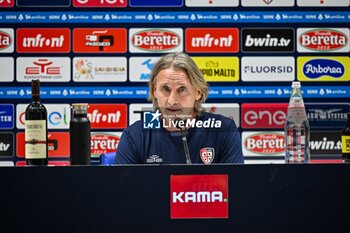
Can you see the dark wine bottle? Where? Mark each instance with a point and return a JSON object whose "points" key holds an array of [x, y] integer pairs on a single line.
{"points": [[36, 129], [80, 152]]}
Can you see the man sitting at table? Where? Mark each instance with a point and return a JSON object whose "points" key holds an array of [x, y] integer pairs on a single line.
{"points": [[179, 130]]}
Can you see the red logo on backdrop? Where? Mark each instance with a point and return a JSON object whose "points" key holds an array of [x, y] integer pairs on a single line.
{"points": [[107, 116], [199, 196], [100, 3], [265, 143], [5, 40], [7, 3], [99, 40], [42, 66], [58, 144], [156, 40], [102, 143], [264, 115], [211, 40], [43, 40], [323, 40]]}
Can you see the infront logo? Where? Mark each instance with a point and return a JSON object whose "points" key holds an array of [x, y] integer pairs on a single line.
{"points": [[43, 40], [209, 40], [199, 196]]}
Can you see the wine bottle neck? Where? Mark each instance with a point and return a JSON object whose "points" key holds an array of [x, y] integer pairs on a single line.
{"points": [[35, 97]]}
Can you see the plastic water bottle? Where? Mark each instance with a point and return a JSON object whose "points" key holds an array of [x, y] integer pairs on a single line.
{"points": [[79, 135], [297, 129]]}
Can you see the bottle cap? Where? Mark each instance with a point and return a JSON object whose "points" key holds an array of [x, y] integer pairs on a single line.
{"points": [[296, 85], [80, 108]]}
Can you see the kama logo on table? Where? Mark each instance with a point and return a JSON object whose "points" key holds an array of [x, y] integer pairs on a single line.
{"points": [[6, 40], [99, 40], [211, 40], [323, 68], [43, 40], [218, 69], [199, 196], [155, 40], [100, 3], [7, 3], [323, 40]]}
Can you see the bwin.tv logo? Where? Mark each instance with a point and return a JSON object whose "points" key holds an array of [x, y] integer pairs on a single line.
{"points": [[151, 120]]}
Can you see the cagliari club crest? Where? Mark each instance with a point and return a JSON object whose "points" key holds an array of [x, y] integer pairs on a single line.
{"points": [[207, 155], [267, 1]]}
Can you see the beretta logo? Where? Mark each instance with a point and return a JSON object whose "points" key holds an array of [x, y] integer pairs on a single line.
{"points": [[264, 115], [268, 40], [199, 196], [323, 40], [100, 3], [104, 142], [155, 40], [263, 143], [58, 144], [107, 116], [7, 3], [99, 40], [212, 40], [6, 40], [43, 40], [6, 144]]}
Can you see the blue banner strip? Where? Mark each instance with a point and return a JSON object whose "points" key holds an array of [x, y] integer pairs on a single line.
{"points": [[142, 92], [177, 17]]}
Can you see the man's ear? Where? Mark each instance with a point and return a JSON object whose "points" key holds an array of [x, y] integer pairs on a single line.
{"points": [[199, 95]]}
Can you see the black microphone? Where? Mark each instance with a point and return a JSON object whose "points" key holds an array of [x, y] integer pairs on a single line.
{"points": [[184, 139]]}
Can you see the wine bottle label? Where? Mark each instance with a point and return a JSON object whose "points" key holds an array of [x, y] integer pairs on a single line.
{"points": [[345, 144], [35, 138]]}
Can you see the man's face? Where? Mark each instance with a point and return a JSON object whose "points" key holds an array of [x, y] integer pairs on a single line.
{"points": [[175, 94]]}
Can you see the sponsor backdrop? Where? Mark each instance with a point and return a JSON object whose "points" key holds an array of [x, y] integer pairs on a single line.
{"points": [[102, 51]]}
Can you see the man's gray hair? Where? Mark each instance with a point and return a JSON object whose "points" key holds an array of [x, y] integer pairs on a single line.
{"points": [[183, 62]]}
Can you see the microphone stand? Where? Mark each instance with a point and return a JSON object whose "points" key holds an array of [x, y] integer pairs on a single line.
{"points": [[184, 142]]}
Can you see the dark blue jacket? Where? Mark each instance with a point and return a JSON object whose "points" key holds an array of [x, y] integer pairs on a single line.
{"points": [[159, 146]]}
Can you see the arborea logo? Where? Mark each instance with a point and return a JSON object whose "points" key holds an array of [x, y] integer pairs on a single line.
{"points": [[199, 196]]}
